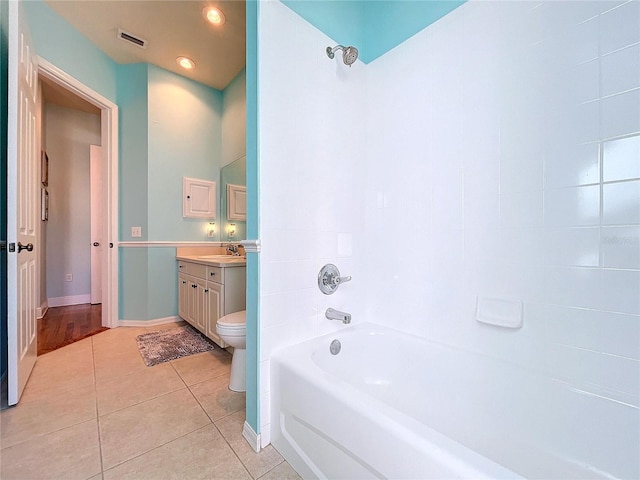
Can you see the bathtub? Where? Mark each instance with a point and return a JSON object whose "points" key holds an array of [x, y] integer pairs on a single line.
{"points": [[390, 405]]}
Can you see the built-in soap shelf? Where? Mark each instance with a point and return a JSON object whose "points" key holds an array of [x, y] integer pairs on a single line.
{"points": [[500, 312]]}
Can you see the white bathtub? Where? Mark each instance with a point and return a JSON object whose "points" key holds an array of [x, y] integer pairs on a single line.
{"points": [[390, 405]]}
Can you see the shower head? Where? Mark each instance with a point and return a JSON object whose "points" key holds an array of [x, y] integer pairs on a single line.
{"points": [[349, 54]]}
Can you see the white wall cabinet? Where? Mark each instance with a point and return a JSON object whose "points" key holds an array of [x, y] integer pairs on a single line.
{"points": [[198, 198], [206, 293]]}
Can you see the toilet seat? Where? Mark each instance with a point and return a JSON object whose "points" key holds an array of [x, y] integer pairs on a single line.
{"points": [[235, 319], [233, 324]]}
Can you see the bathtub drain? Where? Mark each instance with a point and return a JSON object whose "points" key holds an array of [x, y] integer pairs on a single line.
{"points": [[335, 347]]}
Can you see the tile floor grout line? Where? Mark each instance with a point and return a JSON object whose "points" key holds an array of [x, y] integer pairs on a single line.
{"points": [[40, 435], [202, 406], [95, 386], [209, 379], [233, 450], [271, 469], [154, 448], [178, 373], [141, 401]]}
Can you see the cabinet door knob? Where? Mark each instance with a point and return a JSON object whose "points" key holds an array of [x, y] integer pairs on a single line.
{"points": [[213, 274], [184, 282], [206, 290]]}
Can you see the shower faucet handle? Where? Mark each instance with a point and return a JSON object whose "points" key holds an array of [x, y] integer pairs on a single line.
{"points": [[339, 280], [329, 279]]}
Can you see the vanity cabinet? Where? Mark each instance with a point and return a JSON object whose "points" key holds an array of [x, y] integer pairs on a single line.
{"points": [[214, 303], [184, 284], [207, 292]]}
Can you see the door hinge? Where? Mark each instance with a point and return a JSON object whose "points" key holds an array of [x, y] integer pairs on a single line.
{"points": [[3, 245], [12, 247]]}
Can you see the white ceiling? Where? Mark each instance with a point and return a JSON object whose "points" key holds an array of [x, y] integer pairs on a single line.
{"points": [[54, 93], [172, 29]]}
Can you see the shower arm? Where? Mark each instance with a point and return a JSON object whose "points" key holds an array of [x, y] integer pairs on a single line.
{"points": [[331, 52]]}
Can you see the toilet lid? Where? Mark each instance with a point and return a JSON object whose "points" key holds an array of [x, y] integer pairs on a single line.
{"points": [[236, 319]]}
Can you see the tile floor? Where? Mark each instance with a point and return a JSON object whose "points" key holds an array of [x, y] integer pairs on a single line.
{"points": [[94, 410]]}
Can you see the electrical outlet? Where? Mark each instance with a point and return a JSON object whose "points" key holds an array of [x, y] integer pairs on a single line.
{"points": [[136, 232], [68, 277]]}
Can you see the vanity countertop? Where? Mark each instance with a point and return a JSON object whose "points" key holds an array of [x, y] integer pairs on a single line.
{"points": [[224, 261]]}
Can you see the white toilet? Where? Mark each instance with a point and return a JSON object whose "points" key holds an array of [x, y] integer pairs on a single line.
{"points": [[232, 329]]}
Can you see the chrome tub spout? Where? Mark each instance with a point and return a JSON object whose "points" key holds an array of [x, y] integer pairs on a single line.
{"points": [[333, 314]]}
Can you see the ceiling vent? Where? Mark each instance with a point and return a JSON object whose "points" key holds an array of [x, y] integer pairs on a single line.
{"points": [[129, 37]]}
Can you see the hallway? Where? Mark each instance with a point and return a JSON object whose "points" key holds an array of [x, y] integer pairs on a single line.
{"points": [[62, 326], [94, 410]]}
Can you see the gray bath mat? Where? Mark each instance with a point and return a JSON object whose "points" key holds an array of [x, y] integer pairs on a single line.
{"points": [[164, 345]]}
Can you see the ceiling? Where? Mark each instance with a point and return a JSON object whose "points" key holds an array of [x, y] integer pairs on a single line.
{"points": [[54, 93], [171, 28]]}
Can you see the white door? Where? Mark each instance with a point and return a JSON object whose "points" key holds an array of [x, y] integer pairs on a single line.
{"points": [[23, 180], [96, 223]]}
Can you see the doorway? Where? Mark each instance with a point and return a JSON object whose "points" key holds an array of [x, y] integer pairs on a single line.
{"points": [[70, 130], [71, 226], [96, 122]]}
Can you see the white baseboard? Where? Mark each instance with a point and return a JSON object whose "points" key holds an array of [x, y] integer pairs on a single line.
{"points": [[251, 437], [41, 311], [149, 323], [265, 435], [70, 300]]}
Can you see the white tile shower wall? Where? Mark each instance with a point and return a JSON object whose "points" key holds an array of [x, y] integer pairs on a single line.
{"points": [[493, 154], [514, 131], [478, 117], [311, 192]]}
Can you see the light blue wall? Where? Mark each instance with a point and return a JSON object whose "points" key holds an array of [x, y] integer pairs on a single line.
{"points": [[234, 119], [253, 293], [372, 26], [234, 147], [342, 20], [171, 128], [148, 283], [133, 108], [185, 139], [132, 189], [162, 271], [4, 11], [389, 23], [133, 284], [57, 41]]}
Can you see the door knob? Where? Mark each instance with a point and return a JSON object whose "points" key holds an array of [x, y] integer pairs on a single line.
{"points": [[28, 247], [96, 244]]}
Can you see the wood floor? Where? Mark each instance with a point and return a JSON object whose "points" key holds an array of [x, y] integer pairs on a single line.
{"points": [[64, 325]]}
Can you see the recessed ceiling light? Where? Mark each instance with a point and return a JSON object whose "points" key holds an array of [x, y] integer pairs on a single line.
{"points": [[186, 63], [213, 15]]}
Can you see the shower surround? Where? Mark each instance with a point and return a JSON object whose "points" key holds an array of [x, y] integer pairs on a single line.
{"points": [[493, 155]]}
